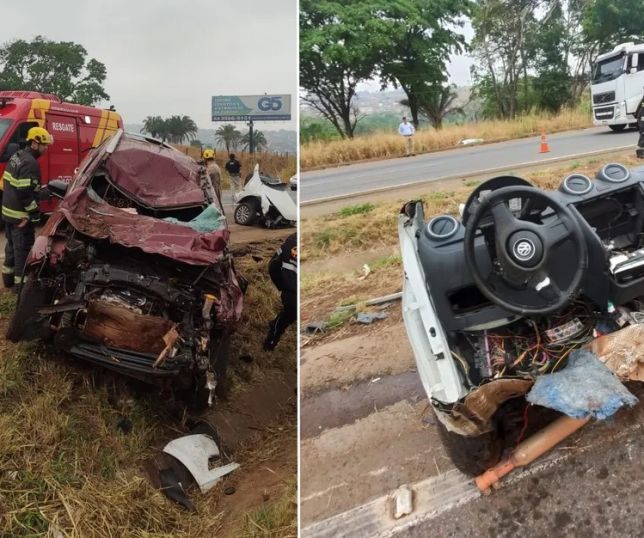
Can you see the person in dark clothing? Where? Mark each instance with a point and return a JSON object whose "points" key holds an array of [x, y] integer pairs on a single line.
{"points": [[283, 271], [21, 186], [233, 167], [639, 114]]}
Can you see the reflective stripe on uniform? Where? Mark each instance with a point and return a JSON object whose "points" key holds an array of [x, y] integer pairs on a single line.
{"points": [[13, 214], [7, 270], [17, 183], [32, 206], [289, 266], [19, 279]]}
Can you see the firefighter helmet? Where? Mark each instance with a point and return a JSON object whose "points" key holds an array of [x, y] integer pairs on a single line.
{"points": [[40, 135], [208, 154]]}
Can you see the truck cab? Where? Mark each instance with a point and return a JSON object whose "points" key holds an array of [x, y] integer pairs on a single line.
{"points": [[75, 128], [617, 86]]}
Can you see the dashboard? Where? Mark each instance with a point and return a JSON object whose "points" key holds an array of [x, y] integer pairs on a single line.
{"points": [[610, 211]]}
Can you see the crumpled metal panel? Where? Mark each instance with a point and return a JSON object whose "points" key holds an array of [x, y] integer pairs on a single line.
{"points": [[155, 175], [484, 401], [195, 451], [151, 235]]}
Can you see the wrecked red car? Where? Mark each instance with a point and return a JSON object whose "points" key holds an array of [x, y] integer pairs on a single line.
{"points": [[132, 271]]}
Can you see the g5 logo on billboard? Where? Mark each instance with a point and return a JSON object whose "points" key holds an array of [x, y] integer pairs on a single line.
{"points": [[267, 103]]}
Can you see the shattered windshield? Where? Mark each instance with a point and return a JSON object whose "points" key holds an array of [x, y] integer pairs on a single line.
{"points": [[608, 69]]}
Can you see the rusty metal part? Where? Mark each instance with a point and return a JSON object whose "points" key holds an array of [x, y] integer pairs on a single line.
{"points": [[530, 449], [484, 401]]}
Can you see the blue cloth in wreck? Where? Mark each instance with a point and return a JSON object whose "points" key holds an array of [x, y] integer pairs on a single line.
{"points": [[586, 387], [209, 220]]}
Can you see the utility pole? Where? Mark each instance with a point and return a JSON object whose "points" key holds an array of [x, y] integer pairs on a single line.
{"points": [[251, 144]]}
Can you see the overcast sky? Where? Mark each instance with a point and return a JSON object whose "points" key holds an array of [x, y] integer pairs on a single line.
{"points": [[167, 57]]}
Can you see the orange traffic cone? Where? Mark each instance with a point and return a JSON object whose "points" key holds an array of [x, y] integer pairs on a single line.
{"points": [[544, 143]]}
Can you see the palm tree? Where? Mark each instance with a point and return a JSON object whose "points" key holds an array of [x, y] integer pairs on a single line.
{"points": [[229, 136], [156, 127], [438, 103], [181, 128], [259, 141]]}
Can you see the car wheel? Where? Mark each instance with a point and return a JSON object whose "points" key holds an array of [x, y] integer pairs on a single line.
{"points": [[246, 213], [24, 324], [617, 128], [472, 455]]}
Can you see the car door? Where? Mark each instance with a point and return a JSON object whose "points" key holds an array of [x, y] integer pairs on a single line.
{"points": [[63, 154]]}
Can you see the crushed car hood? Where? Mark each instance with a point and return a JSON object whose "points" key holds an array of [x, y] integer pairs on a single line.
{"points": [[156, 176], [151, 235]]}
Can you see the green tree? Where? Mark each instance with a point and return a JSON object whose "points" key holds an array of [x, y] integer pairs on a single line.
{"points": [[552, 81], [47, 66], [259, 141], [228, 136], [156, 127], [312, 129], [501, 43], [420, 37], [437, 104], [339, 48], [181, 128], [610, 22]]}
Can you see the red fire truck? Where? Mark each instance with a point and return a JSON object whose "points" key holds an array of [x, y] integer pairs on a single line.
{"points": [[75, 128]]}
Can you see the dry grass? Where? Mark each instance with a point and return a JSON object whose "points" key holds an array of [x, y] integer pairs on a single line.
{"points": [[384, 145], [333, 234], [65, 466], [276, 520], [262, 302], [275, 164], [322, 293]]}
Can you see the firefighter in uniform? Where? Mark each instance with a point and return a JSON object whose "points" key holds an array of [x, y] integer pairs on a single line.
{"points": [[283, 271], [213, 171], [21, 184]]}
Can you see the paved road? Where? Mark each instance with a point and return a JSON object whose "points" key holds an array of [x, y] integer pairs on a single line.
{"points": [[365, 177]]}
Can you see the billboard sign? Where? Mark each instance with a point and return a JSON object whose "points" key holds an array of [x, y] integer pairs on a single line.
{"points": [[251, 107]]}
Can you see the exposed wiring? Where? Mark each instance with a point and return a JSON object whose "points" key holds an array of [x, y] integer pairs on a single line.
{"points": [[525, 424]]}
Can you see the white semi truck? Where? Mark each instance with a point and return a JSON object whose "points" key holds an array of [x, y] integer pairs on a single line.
{"points": [[617, 86]]}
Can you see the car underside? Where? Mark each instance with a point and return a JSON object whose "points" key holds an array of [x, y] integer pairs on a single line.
{"points": [[503, 295]]}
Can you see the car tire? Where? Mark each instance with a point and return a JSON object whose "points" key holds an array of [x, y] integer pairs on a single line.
{"points": [[472, 455], [617, 128], [246, 213], [24, 322]]}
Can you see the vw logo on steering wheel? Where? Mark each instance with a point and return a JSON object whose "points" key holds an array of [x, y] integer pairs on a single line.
{"points": [[523, 249]]}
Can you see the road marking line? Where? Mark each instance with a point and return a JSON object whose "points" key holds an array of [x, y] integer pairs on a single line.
{"points": [[432, 497], [316, 201]]}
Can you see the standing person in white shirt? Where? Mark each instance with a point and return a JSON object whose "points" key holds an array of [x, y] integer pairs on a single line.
{"points": [[407, 130]]}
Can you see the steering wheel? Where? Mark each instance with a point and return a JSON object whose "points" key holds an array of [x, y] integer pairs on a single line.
{"points": [[524, 251]]}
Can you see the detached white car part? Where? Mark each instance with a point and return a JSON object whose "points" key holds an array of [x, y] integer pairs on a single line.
{"points": [[266, 199], [195, 451]]}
